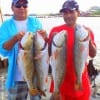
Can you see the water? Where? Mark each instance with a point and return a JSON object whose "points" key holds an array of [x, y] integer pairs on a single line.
{"points": [[48, 23], [3, 92]]}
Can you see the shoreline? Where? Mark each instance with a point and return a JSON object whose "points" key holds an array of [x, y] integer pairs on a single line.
{"points": [[51, 15]]}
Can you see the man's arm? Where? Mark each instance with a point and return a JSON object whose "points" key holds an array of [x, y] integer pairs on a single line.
{"points": [[92, 45], [9, 44], [92, 49]]}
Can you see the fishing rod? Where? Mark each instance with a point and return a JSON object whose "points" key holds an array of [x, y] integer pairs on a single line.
{"points": [[1, 15]]}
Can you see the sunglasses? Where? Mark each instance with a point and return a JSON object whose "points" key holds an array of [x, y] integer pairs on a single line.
{"points": [[19, 6]]}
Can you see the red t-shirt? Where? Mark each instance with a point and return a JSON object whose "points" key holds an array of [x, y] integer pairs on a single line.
{"points": [[67, 86]]}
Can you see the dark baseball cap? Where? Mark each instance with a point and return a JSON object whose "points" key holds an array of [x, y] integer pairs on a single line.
{"points": [[69, 5], [19, 2]]}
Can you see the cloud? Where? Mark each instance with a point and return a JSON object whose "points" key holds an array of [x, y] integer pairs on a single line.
{"points": [[47, 6]]}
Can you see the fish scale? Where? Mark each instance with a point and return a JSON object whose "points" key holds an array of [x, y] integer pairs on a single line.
{"points": [[41, 62], [81, 51], [58, 58], [26, 62]]}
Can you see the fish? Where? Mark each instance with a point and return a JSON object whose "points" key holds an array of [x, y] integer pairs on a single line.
{"points": [[26, 62], [81, 51], [58, 58], [41, 62]]}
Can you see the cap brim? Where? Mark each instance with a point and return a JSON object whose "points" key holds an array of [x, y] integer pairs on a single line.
{"points": [[66, 9]]}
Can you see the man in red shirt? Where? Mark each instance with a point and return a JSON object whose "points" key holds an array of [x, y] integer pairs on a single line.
{"points": [[70, 13]]}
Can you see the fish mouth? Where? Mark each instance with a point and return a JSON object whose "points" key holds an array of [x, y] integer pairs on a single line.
{"points": [[44, 46], [58, 46], [20, 46]]}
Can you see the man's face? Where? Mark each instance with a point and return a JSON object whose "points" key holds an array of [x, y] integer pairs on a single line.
{"points": [[20, 11], [70, 17]]}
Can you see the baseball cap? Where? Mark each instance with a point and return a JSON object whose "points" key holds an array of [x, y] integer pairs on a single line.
{"points": [[19, 2], [70, 5]]}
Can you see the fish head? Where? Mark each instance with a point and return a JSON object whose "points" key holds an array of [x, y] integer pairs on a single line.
{"points": [[39, 41], [59, 38], [81, 33], [27, 40]]}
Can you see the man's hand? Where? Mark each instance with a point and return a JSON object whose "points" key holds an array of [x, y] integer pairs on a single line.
{"points": [[19, 36], [42, 33]]}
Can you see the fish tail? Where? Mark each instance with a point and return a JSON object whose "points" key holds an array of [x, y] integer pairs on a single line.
{"points": [[35, 91], [78, 86]]}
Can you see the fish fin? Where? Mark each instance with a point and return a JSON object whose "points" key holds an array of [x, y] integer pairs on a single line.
{"points": [[55, 96], [24, 57], [55, 54], [38, 56], [36, 91], [46, 80], [42, 93], [33, 91], [78, 86]]}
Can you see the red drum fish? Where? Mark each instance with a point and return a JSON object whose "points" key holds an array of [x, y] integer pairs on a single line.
{"points": [[25, 60], [41, 62], [58, 58], [81, 53]]}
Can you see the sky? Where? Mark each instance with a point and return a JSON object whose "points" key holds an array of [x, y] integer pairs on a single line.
{"points": [[47, 6]]}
